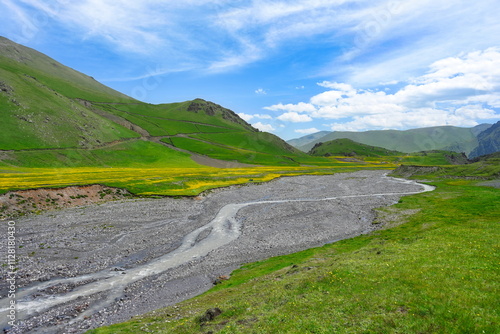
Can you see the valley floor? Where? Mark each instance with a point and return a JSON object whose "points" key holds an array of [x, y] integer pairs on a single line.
{"points": [[68, 254]]}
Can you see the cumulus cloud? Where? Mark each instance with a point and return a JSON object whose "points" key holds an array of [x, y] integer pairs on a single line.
{"points": [[294, 117], [307, 131], [248, 117], [299, 107], [263, 127], [460, 91], [220, 35], [260, 91]]}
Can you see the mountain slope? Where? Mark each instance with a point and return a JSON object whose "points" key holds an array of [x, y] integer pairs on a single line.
{"points": [[299, 142], [65, 80], [37, 106], [347, 147], [55, 116], [414, 140], [489, 141]]}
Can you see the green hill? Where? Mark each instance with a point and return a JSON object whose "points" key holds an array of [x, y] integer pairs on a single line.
{"points": [[346, 147], [38, 106], [415, 140], [55, 116]]}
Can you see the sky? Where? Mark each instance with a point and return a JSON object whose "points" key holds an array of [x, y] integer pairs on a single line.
{"points": [[291, 68]]}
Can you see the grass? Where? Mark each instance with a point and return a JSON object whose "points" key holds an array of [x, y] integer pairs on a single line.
{"points": [[488, 168], [169, 112], [132, 153], [34, 115], [437, 273], [224, 152], [347, 147], [179, 181]]}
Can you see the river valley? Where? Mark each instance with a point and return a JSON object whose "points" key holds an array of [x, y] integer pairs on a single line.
{"points": [[85, 267]]}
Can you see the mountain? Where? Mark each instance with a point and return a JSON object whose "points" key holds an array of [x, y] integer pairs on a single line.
{"points": [[298, 142], [415, 140], [55, 116], [38, 108], [489, 141], [346, 147]]}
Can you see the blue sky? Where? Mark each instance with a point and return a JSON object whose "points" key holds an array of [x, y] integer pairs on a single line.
{"points": [[287, 67]]}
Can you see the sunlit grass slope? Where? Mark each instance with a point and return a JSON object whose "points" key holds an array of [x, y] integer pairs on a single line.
{"points": [[37, 105], [437, 270], [348, 147]]}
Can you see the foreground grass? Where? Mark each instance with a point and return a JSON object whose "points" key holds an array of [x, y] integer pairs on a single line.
{"points": [[439, 272]]}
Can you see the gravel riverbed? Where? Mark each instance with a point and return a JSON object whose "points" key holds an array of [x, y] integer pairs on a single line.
{"points": [[69, 250]]}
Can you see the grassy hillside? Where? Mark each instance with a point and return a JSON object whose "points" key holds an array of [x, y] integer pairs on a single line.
{"points": [[26, 61], [347, 147], [432, 268], [37, 106], [63, 128], [415, 140], [340, 149], [52, 114]]}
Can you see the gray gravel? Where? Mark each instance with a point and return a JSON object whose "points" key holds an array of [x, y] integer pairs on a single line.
{"points": [[118, 236]]}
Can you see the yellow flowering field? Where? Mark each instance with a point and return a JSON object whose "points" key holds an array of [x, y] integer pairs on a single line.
{"points": [[154, 181]]}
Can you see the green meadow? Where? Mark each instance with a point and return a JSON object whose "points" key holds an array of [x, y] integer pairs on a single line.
{"points": [[432, 267]]}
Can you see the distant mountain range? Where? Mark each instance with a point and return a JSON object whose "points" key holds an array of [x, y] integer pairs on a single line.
{"points": [[449, 138], [489, 141]]}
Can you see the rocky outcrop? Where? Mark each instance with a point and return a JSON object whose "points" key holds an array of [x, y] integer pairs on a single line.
{"points": [[212, 109]]}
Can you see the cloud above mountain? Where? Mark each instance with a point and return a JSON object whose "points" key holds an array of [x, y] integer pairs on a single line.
{"points": [[461, 91], [328, 63]]}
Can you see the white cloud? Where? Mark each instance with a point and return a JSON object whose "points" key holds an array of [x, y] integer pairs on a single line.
{"points": [[263, 127], [220, 35], [307, 131], [248, 117], [300, 107], [260, 91], [263, 116], [294, 117], [245, 117], [460, 91]]}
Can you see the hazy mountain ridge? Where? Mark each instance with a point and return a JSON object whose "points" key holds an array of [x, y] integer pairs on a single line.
{"points": [[489, 141], [298, 142], [414, 140]]}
